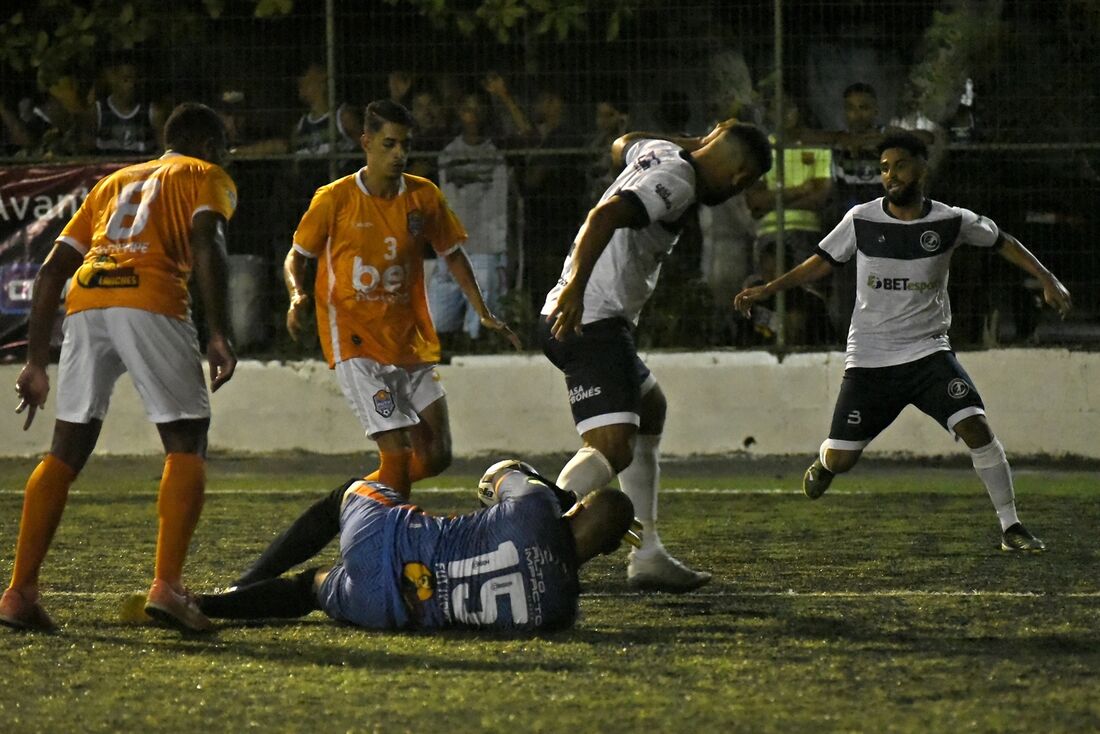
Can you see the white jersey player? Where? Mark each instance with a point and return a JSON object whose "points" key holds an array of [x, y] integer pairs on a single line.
{"points": [[591, 313], [898, 351]]}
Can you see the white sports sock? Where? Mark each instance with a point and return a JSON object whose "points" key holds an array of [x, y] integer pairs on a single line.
{"points": [[586, 472], [992, 467], [640, 481]]}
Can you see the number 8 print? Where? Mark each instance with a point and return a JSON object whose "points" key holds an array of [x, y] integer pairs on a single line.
{"points": [[147, 189]]}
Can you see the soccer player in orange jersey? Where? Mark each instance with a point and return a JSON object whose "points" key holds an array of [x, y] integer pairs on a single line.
{"points": [[368, 232], [130, 251]]}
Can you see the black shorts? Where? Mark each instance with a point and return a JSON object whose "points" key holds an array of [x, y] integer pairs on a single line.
{"points": [[603, 372], [872, 397]]}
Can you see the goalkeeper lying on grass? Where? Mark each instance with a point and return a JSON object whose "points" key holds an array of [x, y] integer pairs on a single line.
{"points": [[511, 566]]}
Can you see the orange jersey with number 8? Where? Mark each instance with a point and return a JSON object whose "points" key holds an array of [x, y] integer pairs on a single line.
{"points": [[134, 231], [370, 275]]}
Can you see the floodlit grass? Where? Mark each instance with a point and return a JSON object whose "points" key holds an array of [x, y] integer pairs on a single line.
{"points": [[884, 606]]}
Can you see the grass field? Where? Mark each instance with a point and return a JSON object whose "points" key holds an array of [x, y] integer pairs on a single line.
{"points": [[884, 606]]}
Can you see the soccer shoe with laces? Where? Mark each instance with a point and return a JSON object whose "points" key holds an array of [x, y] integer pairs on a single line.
{"points": [[658, 571], [23, 612], [816, 480], [175, 609], [1017, 538]]}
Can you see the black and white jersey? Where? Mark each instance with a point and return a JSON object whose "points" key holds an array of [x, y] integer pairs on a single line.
{"points": [[660, 176], [130, 132], [311, 135], [902, 311]]}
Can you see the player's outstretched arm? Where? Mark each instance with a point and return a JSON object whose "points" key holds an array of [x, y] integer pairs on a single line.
{"points": [[1054, 293], [212, 276], [812, 268], [459, 265], [33, 385]]}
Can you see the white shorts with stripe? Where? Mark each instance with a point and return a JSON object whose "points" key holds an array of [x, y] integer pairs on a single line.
{"points": [[161, 354], [385, 397]]}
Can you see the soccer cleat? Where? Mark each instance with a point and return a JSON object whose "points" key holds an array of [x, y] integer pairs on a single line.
{"points": [[175, 609], [22, 612], [1017, 538], [816, 480], [658, 571]]}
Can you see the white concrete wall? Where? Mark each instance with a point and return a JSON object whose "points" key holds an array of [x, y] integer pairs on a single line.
{"points": [[1039, 402]]}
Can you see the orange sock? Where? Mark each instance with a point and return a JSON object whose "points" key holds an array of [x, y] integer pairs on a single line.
{"points": [[43, 502], [179, 505], [393, 470]]}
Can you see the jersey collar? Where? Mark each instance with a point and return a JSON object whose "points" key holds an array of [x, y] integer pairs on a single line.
{"points": [[925, 208], [362, 184]]}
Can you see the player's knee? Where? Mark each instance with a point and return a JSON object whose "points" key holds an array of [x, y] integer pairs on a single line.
{"points": [[974, 431], [839, 461]]}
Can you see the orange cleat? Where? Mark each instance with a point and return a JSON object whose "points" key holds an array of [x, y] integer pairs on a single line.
{"points": [[176, 609], [21, 611]]}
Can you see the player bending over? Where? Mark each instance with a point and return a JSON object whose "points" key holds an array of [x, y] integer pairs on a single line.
{"points": [[898, 352]]}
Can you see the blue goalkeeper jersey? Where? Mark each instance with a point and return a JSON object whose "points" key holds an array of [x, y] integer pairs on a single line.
{"points": [[510, 567]]}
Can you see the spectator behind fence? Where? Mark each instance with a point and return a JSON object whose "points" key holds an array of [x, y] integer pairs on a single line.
{"points": [[124, 122], [59, 123], [611, 116], [475, 178], [806, 187], [552, 201], [14, 136], [433, 131]]}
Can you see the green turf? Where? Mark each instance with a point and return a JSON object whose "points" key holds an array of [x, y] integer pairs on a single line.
{"points": [[884, 606]]}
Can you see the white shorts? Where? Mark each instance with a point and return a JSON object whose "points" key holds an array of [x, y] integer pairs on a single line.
{"points": [[385, 397], [161, 354]]}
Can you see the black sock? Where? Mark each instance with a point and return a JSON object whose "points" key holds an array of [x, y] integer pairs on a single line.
{"points": [[304, 539], [284, 597]]}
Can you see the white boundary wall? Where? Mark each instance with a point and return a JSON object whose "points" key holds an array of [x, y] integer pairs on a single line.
{"points": [[1039, 402]]}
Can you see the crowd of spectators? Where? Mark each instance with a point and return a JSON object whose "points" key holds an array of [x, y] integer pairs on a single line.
{"points": [[520, 173]]}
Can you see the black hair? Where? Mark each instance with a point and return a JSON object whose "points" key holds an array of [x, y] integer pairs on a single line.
{"points": [[191, 124], [381, 111], [908, 142], [860, 88], [755, 143]]}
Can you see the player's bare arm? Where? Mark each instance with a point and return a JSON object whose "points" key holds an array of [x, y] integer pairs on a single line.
{"points": [[601, 223], [211, 276], [33, 385], [295, 276], [812, 268], [1055, 294], [459, 265]]}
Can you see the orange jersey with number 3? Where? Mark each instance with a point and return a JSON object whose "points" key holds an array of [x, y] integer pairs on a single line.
{"points": [[134, 231], [370, 275]]}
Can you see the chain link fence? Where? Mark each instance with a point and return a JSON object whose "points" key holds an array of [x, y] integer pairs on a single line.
{"points": [[1001, 90]]}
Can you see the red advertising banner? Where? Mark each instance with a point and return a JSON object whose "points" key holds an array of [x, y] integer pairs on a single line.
{"points": [[35, 204]]}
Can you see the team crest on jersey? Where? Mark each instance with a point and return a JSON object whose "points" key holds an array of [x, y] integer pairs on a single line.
{"points": [[417, 579], [930, 240], [383, 403], [415, 222], [647, 160], [958, 388]]}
